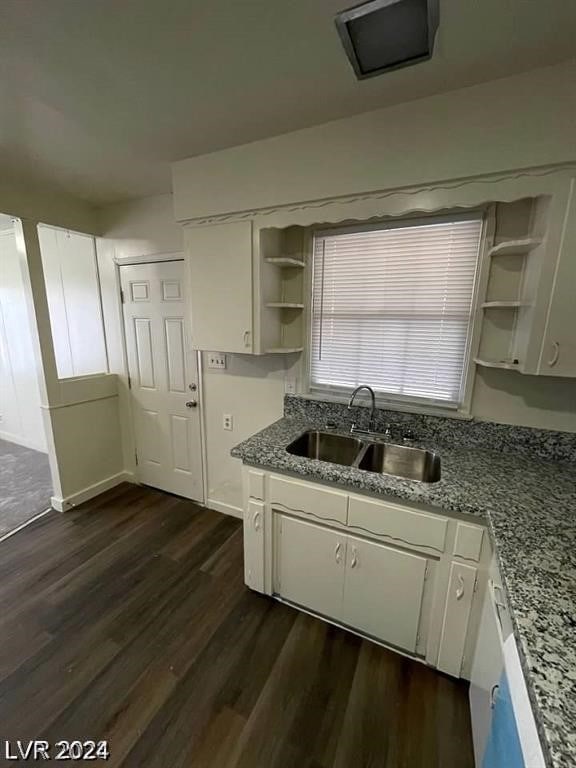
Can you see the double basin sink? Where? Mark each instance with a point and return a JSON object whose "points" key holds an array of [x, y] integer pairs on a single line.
{"points": [[383, 458]]}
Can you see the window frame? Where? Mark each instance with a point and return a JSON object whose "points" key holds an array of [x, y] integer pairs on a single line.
{"points": [[485, 215]]}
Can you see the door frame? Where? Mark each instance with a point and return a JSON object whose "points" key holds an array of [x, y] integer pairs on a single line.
{"points": [[126, 261]]}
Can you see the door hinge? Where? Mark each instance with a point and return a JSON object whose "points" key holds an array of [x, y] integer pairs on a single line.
{"points": [[475, 588], [426, 570], [129, 381], [122, 297], [136, 457]]}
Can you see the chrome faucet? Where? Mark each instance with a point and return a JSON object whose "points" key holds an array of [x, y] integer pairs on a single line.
{"points": [[372, 422]]}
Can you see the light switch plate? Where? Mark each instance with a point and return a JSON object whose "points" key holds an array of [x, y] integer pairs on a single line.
{"points": [[217, 360]]}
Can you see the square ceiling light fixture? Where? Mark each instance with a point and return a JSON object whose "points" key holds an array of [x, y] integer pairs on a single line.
{"points": [[388, 34]]}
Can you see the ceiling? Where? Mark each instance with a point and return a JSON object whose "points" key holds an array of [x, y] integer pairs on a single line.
{"points": [[97, 98]]}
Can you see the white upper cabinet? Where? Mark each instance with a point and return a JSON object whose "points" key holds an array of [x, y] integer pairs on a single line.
{"points": [[220, 285], [558, 353], [528, 314]]}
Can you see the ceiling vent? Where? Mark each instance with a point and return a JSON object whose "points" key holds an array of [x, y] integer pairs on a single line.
{"points": [[388, 34]]}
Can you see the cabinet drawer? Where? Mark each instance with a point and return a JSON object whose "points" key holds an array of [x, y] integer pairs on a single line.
{"points": [[468, 542], [309, 499], [416, 528]]}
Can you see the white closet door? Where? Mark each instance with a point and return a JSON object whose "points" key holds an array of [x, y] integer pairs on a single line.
{"points": [[82, 301], [49, 249]]}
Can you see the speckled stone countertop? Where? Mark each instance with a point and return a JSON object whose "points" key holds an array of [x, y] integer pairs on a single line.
{"points": [[529, 504]]}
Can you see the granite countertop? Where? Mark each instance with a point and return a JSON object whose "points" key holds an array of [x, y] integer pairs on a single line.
{"points": [[529, 505]]}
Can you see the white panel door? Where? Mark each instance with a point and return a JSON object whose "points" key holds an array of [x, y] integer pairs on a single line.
{"points": [[164, 378], [310, 565], [383, 590]]}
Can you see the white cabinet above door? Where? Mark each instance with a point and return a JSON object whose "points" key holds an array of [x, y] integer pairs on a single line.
{"points": [[220, 286]]}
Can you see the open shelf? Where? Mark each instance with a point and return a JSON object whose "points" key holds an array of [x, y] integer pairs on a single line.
{"points": [[284, 305], [285, 261], [503, 304], [514, 247], [283, 350], [508, 365]]}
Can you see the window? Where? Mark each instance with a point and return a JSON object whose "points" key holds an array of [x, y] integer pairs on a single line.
{"points": [[392, 308]]}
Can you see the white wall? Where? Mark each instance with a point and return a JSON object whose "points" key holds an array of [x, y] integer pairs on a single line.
{"points": [[252, 391], [20, 413], [516, 122], [80, 414], [46, 205], [508, 397]]}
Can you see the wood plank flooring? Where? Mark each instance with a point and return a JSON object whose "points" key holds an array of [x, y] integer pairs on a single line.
{"points": [[128, 620]]}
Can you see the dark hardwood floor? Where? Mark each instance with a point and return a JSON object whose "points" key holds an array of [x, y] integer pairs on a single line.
{"points": [[128, 620]]}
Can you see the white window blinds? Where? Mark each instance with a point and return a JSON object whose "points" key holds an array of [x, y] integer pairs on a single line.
{"points": [[392, 308]]}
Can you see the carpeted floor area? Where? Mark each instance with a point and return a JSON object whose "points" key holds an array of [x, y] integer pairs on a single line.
{"points": [[25, 485]]}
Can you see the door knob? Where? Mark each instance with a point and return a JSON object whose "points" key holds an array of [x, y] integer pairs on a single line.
{"points": [[191, 404]]}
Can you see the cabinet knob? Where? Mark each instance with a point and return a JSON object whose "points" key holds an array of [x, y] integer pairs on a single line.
{"points": [[460, 589], [354, 561], [337, 552], [555, 354], [493, 694]]}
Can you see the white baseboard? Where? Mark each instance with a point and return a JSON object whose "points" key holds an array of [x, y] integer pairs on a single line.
{"points": [[226, 509], [64, 504], [25, 443]]}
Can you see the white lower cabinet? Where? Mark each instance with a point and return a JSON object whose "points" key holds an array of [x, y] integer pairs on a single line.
{"points": [[383, 591], [406, 577], [254, 518], [456, 617], [310, 563], [364, 584]]}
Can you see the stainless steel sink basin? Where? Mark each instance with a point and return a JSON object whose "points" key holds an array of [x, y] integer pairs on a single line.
{"points": [[326, 447], [402, 461]]}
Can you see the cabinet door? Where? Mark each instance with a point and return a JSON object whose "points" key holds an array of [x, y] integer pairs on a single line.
{"points": [[310, 565], [456, 616], [220, 284], [254, 545], [383, 592], [558, 356], [485, 675]]}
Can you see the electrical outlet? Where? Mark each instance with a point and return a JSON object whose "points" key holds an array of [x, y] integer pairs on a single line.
{"points": [[290, 386], [227, 422], [217, 360]]}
